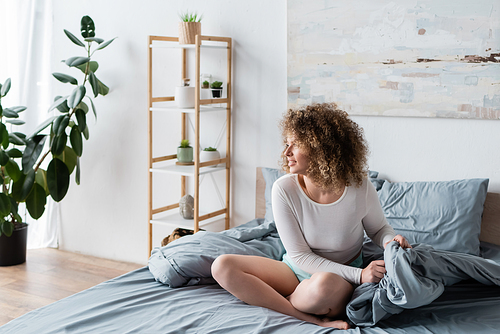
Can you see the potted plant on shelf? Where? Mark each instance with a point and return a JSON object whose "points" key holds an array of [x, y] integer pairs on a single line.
{"points": [[189, 27], [22, 178], [205, 84], [208, 154], [184, 153], [216, 89]]}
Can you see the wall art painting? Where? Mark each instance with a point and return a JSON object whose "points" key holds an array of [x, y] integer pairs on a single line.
{"points": [[424, 58]]}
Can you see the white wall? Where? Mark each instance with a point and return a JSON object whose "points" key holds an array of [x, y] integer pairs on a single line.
{"points": [[106, 215]]}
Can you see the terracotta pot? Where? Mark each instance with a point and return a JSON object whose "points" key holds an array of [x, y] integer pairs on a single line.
{"points": [[188, 31], [13, 248]]}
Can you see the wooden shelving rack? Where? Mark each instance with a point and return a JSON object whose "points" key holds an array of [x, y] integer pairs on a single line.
{"points": [[160, 215]]}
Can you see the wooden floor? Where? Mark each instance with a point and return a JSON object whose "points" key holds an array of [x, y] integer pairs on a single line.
{"points": [[49, 275]]}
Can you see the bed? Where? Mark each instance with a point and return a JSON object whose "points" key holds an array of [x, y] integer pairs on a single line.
{"points": [[453, 288]]}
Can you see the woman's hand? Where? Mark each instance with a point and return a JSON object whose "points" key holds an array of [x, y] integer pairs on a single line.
{"points": [[401, 240], [374, 272]]}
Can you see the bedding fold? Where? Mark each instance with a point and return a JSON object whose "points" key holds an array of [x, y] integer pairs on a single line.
{"points": [[416, 277], [188, 260]]}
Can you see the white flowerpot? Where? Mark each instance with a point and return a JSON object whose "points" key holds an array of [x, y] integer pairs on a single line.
{"points": [[209, 155], [184, 96]]}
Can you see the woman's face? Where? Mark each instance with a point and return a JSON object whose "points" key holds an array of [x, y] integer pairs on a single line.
{"points": [[298, 161]]}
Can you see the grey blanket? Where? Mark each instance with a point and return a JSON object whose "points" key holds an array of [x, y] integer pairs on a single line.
{"points": [[416, 277], [188, 260]]}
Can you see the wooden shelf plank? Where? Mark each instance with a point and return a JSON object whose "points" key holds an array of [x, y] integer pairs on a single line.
{"points": [[186, 111], [185, 46], [174, 219], [185, 170]]}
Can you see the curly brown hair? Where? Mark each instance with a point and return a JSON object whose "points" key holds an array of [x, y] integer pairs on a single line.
{"points": [[334, 144]]}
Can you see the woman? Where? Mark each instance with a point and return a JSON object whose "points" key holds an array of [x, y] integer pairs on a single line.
{"points": [[321, 208]]}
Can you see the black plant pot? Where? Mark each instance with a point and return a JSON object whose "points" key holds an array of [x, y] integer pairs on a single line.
{"points": [[216, 92], [13, 248]]}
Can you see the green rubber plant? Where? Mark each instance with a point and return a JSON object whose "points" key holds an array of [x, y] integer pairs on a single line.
{"points": [[21, 176]]}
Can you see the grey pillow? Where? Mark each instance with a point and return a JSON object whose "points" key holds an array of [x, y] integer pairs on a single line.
{"points": [[270, 175], [446, 215]]}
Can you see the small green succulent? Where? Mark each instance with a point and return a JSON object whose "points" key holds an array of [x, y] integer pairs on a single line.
{"points": [[185, 143], [190, 17], [216, 84], [210, 148]]}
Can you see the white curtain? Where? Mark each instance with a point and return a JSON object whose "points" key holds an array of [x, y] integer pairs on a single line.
{"points": [[26, 44]]}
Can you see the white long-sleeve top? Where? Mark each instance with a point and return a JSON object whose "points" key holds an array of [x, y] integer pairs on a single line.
{"points": [[322, 237]]}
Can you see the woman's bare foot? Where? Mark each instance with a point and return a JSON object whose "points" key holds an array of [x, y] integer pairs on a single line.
{"points": [[339, 324]]}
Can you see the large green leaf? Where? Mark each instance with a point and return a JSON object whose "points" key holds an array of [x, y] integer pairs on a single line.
{"points": [[57, 123], [76, 61], [6, 228], [4, 205], [69, 157], [4, 157], [13, 209], [64, 78], [93, 66], [93, 107], [63, 107], [33, 149], [15, 153], [57, 179], [94, 83], [9, 113], [103, 89], [103, 45], [17, 188], [4, 135], [42, 126], [60, 124], [75, 137], [81, 119], [73, 38], [58, 102], [86, 133], [28, 183], [13, 170], [87, 27], [83, 106], [5, 88], [76, 96], [15, 139], [59, 143], [18, 109], [36, 201], [16, 122], [41, 179], [94, 39]]}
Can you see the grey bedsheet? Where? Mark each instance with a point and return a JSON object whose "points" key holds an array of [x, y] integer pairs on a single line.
{"points": [[137, 303]]}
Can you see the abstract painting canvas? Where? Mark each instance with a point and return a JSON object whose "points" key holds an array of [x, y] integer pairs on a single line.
{"points": [[416, 58]]}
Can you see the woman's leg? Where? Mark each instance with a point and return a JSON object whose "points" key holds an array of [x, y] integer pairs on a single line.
{"points": [[323, 294], [262, 282]]}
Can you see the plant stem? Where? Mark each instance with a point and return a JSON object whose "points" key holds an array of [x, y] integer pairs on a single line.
{"points": [[41, 160], [87, 68]]}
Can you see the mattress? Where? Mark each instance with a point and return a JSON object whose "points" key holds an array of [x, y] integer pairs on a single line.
{"points": [[137, 303]]}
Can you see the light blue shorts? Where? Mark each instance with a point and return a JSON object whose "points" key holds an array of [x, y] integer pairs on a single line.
{"points": [[302, 275]]}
